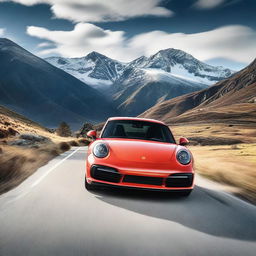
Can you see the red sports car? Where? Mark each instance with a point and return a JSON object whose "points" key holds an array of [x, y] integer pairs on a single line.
{"points": [[139, 153]]}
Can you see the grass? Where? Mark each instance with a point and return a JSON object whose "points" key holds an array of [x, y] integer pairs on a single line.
{"points": [[217, 131], [233, 165], [18, 163], [21, 125]]}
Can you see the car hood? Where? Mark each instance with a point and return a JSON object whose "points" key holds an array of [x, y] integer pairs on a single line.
{"points": [[136, 153]]}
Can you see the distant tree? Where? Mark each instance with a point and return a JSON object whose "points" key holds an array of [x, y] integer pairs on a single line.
{"points": [[84, 129], [64, 130]]}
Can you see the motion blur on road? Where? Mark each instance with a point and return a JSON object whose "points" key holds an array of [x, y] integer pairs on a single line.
{"points": [[52, 213]]}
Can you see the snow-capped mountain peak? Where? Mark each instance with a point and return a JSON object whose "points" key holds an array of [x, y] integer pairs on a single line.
{"points": [[183, 64], [101, 71], [94, 56], [94, 69]]}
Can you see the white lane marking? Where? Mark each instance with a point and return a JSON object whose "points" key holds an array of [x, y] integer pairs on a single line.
{"points": [[55, 166], [22, 194]]}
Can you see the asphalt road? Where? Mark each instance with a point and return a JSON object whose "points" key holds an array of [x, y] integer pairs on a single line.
{"points": [[51, 213]]}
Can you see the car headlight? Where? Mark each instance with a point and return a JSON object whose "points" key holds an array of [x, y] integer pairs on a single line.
{"points": [[100, 150], [183, 156]]}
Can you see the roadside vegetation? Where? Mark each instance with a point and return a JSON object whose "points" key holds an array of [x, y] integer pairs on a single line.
{"points": [[225, 153], [26, 146]]}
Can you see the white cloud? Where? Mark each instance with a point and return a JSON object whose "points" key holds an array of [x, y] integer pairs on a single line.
{"points": [[208, 4], [2, 31], [101, 10], [45, 45], [83, 39], [233, 42]]}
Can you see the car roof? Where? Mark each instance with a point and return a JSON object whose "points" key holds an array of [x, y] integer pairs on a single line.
{"points": [[136, 119]]}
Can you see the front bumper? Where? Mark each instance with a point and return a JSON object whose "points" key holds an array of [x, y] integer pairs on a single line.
{"points": [[156, 181]]}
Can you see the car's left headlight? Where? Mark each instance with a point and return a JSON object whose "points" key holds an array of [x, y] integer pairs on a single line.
{"points": [[183, 156], [100, 150]]}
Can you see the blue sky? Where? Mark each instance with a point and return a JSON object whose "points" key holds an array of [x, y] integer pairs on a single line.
{"points": [[219, 32]]}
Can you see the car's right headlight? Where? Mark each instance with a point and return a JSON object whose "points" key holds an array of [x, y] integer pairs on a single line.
{"points": [[100, 150], [183, 156]]}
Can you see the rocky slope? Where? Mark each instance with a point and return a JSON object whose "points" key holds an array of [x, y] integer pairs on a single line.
{"points": [[182, 64], [94, 69], [146, 87], [99, 70], [232, 98]]}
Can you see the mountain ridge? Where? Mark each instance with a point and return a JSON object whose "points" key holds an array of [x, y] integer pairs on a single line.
{"points": [[166, 60], [224, 96], [145, 81], [42, 92]]}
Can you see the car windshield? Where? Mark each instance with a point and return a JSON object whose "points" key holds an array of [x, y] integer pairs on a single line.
{"points": [[141, 130]]}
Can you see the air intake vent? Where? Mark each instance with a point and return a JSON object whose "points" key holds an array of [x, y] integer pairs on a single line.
{"points": [[143, 180], [180, 180], [105, 173]]}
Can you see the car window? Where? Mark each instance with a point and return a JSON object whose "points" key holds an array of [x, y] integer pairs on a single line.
{"points": [[133, 129]]}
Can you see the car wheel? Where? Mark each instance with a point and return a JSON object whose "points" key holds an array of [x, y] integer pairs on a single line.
{"points": [[89, 186]]}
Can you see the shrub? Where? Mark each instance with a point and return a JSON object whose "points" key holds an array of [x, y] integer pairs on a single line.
{"points": [[85, 128], [63, 130], [64, 146]]}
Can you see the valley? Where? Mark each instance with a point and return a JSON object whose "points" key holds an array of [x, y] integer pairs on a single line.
{"points": [[140, 84], [213, 106]]}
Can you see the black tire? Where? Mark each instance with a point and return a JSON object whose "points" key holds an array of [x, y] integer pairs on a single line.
{"points": [[89, 186]]}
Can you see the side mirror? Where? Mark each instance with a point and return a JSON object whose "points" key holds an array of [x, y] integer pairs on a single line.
{"points": [[184, 141], [92, 134]]}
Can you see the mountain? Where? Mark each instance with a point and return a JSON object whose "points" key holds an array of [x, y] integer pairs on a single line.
{"points": [[94, 69], [44, 93], [231, 99], [100, 71], [139, 89], [184, 65], [140, 84]]}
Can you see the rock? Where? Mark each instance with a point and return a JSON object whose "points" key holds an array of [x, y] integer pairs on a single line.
{"points": [[21, 142], [31, 140], [34, 138]]}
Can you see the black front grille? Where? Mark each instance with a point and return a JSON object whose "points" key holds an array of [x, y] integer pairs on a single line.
{"points": [[143, 180], [180, 180], [105, 173]]}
